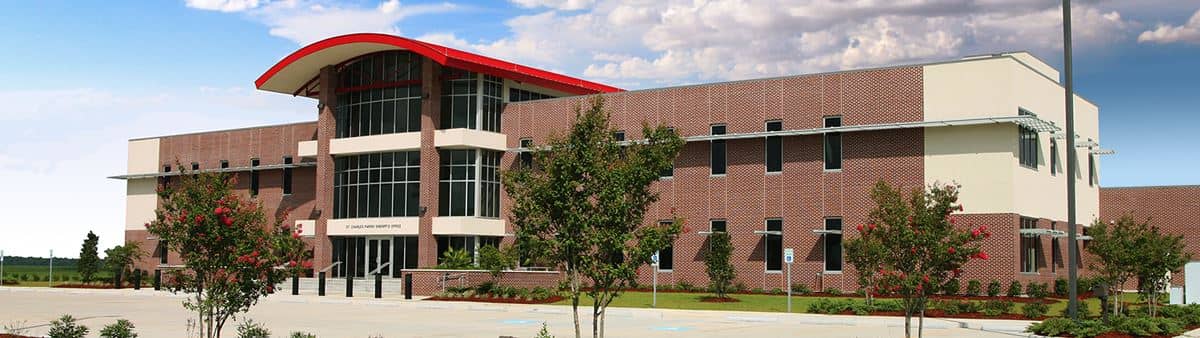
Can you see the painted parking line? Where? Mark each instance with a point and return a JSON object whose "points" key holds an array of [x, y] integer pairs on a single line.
{"points": [[519, 321], [670, 328], [752, 319]]}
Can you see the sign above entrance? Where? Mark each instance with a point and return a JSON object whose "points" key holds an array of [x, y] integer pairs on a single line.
{"points": [[373, 226]]}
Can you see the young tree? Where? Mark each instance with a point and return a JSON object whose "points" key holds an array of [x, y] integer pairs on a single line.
{"points": [[925, 246], [119, 260], [866, 256], [496, 260], [1160, 254], [1114, 248], [583, 204], [89, 258], [232, 254], [717, 265]]}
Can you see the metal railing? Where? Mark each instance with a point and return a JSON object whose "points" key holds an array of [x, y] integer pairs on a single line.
{"points": [[461, 277]]}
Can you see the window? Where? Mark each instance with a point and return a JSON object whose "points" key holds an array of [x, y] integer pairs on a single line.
{"points": [[379, 94], [287, 176], [619, 135], [493, 101], [833, 244], [716, 151], [445, 243], [833, 144], [1053, 157], [527, 155], [166, 179], [518, 95], [773, 243], [162, 252], [1091, 169], [377, 185], [1030, 248], [456, 190], [716, 225], [253, 177], [195, 166], [666, 256], [462, 94], [670, 171], [1028, 146], [489, 184], [1054, 250], [774, 148], [224, 164]]}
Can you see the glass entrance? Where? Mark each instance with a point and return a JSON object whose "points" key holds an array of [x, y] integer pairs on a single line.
{"points": [[360, 256], [379, 254]]}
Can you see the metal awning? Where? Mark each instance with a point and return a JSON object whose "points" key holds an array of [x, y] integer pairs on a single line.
{"points": [[827, 232], [1099, 151], [1039, 232], [1084, 238], [1028, 121], [704, 233], [1086, 144], [219, 170], [765, 232]]}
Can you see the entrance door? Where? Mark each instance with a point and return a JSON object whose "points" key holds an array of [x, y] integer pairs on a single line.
{"points": [[379, 254]]}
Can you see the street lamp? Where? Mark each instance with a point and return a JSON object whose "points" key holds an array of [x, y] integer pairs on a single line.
{"points": [[1072, 244]]}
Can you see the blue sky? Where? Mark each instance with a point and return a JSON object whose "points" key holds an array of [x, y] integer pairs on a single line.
{"points": [[82, 77]]}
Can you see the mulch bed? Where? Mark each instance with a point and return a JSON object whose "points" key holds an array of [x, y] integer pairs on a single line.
{"points": [[5, 335], [551, 299], [941, 314], [719, 300], [84, 286]]}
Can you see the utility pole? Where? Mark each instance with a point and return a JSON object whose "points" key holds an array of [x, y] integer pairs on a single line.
{"points": [[1072, 238]]}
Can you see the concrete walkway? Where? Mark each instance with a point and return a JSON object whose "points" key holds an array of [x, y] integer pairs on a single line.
{"points": [[159, 314]]}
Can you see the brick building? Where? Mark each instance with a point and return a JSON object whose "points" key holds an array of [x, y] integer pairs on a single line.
{"points": [[1174, 210], [402, 160]]}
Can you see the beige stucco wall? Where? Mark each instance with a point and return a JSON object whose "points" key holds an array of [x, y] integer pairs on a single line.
{"points": [[995, 87], [140, 196], [469, 138], [373, 226], [468, 226], [375, 143]]}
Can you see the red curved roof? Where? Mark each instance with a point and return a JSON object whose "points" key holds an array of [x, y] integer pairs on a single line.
{"points": [[290, 74]]}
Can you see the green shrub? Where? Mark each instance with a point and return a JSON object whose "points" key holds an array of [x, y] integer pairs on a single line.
{"points": [[777, 291], [992, 308], [456, 259], [1084, 311], [954, 307], [1188, 315], [252, 329], [1014, 289], [685, 286], [831, 305], [741, 287], [1061, 287], [65, 327], [993, 289], [974, 288], [1053, 327], [952, 287], [1084, 284], [1034, 310], [801, 289], [1146, 326], [298, 334], [544, 332], [888, 306], [121, 329], [757, 291], [1036, 290], [833, 292]]}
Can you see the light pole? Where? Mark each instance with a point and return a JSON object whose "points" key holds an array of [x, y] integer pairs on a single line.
{"points": [[51, 268], [1072, 244]]}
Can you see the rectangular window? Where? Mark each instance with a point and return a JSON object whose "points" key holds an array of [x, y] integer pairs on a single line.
{"points": [[1028, 146], [287, 176], [773, 243], [376, 185], [670, 171], [489, 184], [166, 179], [619, 135], [460, 99], [195, 166], [666, 256], [833, 244], [377, 95], [224, 164], [1054, 250], [456, 189], [253, 177], [1053, 157], [1030, 248], [774, 148], [716, 151], [716, 225], [833, 144], [527, 155], [1091, 169], [518, 95], [162, 252]]}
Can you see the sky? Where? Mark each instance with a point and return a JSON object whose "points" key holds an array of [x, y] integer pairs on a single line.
{"points": [[80, 78]]}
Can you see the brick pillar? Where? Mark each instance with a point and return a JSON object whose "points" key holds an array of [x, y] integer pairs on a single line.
{"points": [[430, 115], [323, 206]]}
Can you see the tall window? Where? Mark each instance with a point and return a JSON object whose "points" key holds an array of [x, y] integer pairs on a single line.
{"points": [[253, 177], [377, 185], [456, 189], [669, 171], [1030, 248], [1091, 169], [195, 166], [716, 225], [773, 243], [166, 179], [666, 256], [518, 95], [527, 155], [833, 244], [460, 102], [493, 101], [162, 252], [224, 164], [1053, 157], [1028, 146], [716, 151], [833, 144], [619, 135], [379, 94], [774, 148], [1054, 250], [489, 184], [287, 176]]}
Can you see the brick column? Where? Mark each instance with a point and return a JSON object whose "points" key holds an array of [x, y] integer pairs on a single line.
{"points": [[430, 115], [323, 207]]}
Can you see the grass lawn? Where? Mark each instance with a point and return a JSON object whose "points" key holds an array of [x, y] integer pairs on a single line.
{"points": [[61, 273]]}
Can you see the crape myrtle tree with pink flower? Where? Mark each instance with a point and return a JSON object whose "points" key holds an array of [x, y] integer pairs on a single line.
{"points": [[913, 245], [232, 254]]}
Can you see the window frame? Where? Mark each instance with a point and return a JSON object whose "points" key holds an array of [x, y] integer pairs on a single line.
{"points": [[826, 140], [1053, 157], [724, 225], [713, 145], [287, 176], [841, 258], [1028, 142], [670, 172], [1027, 257], [777, 142], [767, 248], [670, 248], [255, 183], [525, 158]]}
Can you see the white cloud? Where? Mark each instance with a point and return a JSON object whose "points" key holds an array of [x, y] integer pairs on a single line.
{"points": [[223, 5], [1187, 33]]}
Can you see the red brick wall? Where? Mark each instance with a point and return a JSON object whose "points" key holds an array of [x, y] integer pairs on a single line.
{"points": [[1174, 209], [803, 195]]}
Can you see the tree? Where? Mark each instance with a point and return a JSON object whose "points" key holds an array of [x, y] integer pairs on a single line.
{"points": [[1126, 249], [119, 260], [926, 248], [582, 206], [1159, 255], [866, 256], [496, 260], [231, 253], [717, 264], [89, 258]]}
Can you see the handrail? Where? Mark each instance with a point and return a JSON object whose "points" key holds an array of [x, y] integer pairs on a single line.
{"points": [[461, 277], [327, 268], [379, 268]]}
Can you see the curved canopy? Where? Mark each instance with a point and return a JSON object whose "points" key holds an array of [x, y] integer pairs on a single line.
{"points": [[289, 75]]}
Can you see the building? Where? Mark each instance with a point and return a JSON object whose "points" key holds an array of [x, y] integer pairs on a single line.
{"points": [[1173, 209], [402, 160]]}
